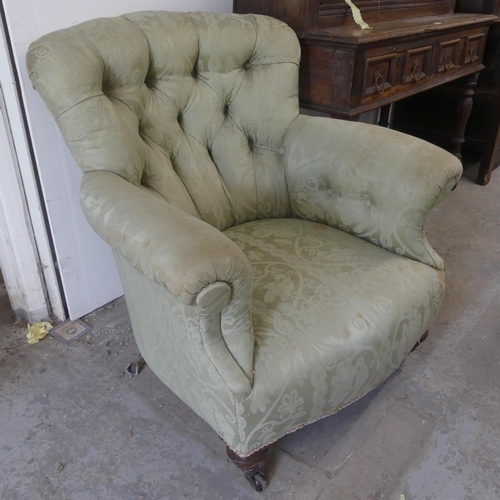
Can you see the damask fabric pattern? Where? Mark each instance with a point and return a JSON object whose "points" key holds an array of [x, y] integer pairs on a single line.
{"points": [[200, 173], [333, 316], [178, 252], [194, 106], [375, 183]]}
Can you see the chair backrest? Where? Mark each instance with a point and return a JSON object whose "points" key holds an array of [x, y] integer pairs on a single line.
{"points": [[193, 106]]}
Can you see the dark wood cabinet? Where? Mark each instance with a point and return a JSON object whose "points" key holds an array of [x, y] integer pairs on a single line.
{"points": [[306, 15], [413, 46], [432, 116], [347, 71]]}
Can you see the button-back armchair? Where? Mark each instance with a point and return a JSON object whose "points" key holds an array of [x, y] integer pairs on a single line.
{"points": [[275, 265]]}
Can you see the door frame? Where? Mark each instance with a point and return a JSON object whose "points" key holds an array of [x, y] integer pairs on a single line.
{"points": [[26, 249]]}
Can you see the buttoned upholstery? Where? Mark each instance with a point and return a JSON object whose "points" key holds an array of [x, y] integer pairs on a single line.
{"points": [[275, 265], [194, 107]]}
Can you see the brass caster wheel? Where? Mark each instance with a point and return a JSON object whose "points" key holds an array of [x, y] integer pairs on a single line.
{"points": [[257, 480]]}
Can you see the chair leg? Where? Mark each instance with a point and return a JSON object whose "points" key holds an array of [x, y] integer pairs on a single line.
{"points": [[251, 467], [420, 340]]}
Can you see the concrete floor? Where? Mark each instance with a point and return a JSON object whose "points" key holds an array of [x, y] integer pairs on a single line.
{"points": [[74, 427]]}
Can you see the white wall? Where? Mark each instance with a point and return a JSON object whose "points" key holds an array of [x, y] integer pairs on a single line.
{"points": [[87, 269]]}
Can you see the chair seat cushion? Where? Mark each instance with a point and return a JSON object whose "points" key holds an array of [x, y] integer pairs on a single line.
{"points": [[333, 316]]}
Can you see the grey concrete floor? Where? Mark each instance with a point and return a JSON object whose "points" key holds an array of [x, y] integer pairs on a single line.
{"points": [[74, 426]]}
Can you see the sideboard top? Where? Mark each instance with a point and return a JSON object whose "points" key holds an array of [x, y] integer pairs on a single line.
{"points": [[399, 28]]}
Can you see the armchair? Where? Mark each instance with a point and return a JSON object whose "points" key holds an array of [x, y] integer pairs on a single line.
{"points": [[275, 265]]}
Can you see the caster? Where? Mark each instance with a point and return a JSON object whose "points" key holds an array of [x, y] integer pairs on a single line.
{"points": [[257, 480], [251, 467], [420, 340]]}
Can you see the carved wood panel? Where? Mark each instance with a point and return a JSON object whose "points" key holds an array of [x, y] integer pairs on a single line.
{"points": [[448, 55], [417, 64]]}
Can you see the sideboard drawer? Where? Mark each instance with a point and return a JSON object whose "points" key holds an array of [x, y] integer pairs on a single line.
{"points": [[474, 46], [379, 74], [410, 65], [447, 52], [346, 71], [417, 64]]}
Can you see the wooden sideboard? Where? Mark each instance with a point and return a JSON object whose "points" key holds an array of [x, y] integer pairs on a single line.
{"points": [[482, 134], [413, 46]]}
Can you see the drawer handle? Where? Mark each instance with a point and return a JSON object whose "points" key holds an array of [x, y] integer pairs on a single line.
{"points": [[473, 56], [378, 80], [417, 72], [447, 63]]}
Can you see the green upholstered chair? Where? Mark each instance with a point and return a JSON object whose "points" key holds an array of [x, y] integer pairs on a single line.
{"points": [[275, 265]]}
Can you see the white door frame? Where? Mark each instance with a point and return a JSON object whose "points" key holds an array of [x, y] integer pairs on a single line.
{"points": [[26, 256]]}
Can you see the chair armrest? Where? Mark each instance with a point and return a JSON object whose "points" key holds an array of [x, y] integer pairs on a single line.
{"points": [[175, 249], [372, 182], [193, 260]]}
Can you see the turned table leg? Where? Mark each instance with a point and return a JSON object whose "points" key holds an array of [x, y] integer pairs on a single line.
{"points": [[384, 115], [251, 467], [464, 107]]}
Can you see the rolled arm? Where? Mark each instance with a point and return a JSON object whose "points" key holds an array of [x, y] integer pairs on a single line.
{"points": [[198, 264], [372, 182], [171, 247]]}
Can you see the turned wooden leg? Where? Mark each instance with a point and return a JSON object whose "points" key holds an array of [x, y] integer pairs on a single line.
{"points": [[384, 115], [464, 107], [420, 340], [251, 467]]}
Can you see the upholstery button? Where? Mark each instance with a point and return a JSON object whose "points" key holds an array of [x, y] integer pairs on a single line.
{"points": [[281, 151], [329, 192], [226, 109]]}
